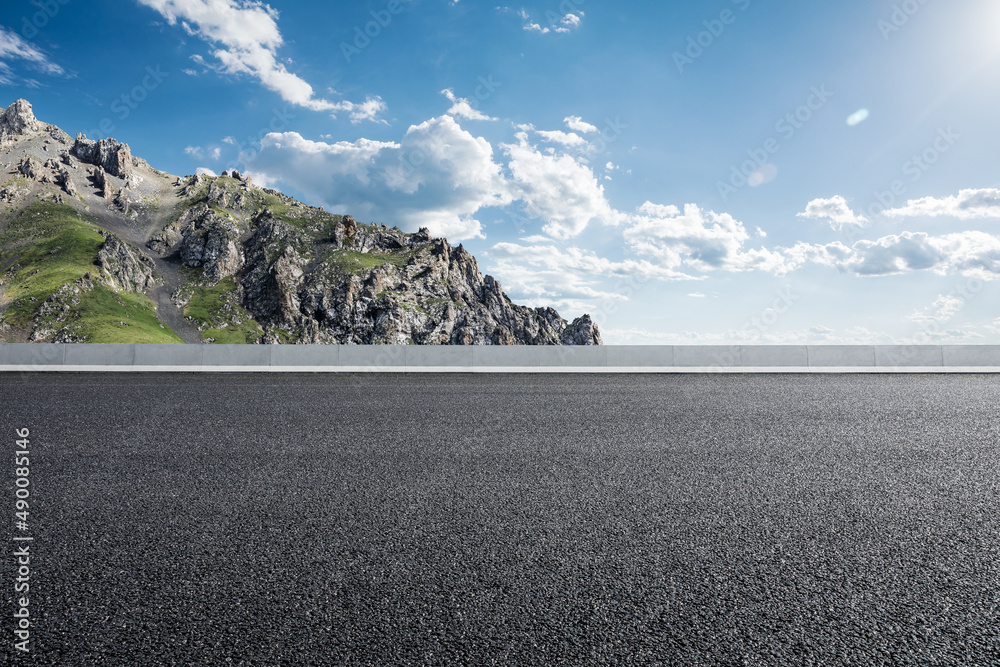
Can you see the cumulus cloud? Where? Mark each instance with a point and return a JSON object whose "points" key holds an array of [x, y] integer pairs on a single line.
{"points": [[967, 205], [945, 307], [577, 124], [703, 240], [13, 47], [577, 260], [247, 38], [572, 20], [358, 112], [462, 108], [438, 176], [568, 139], [834, 210], [970, 253], [541, 274], [205, 171], [558, 189]]}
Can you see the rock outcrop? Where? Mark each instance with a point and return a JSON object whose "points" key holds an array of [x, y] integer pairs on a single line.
{"points": [[123, 267], [114, 157], [30, 168], [18, 119], [65, 181], [209, 242]]}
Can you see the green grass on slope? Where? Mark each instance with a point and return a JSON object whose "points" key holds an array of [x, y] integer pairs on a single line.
{"points": [[350, 261], [217, 309], [309, 220], [52, 246], [106, 316]]}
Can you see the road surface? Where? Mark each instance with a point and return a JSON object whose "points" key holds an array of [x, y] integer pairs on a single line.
{"points": [[517, 519]]}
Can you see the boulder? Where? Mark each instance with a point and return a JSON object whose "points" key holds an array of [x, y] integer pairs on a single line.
{"points": [[31, 168]]}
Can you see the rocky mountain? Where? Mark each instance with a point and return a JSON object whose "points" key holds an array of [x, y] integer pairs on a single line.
{"points": [[97, 246]]}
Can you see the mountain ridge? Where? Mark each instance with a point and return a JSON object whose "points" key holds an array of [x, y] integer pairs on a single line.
{"points": [[98, 246]]}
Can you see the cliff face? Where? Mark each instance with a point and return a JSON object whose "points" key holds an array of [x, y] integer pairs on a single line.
{"points": [[218, 259]]}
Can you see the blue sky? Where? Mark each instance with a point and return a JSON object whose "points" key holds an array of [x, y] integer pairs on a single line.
{"points": [[713, 172]]}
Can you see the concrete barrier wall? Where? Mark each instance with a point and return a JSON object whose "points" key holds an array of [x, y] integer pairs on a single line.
{"points": [[410, 358]]}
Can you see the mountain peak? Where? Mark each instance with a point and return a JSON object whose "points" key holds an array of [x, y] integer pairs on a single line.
{"points": [[97, 246], [18, 119]]}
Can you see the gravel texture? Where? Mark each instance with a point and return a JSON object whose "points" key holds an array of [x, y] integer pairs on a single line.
{"points": [[516, 519]]}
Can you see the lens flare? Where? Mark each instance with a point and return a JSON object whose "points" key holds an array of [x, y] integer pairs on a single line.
{"points": [[858, 117]]}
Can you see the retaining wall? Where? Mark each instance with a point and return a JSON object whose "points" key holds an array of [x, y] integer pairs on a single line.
{"points": [[487, 359]]}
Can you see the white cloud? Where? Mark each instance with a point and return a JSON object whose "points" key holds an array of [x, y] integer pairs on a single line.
{"points": [[13, 47], [942, 309], [462, 108], [438, 176], [970, 253], [568, 139], [194, 151], [369, 110], [577, 124], [559, 189], [967, 205], [815, 335], [572, 20], [544, 275], [560, 24], [205, 171], [585, 262], [834, 210], [216, 153], [703, 240], [247, 36], [698, 295]]}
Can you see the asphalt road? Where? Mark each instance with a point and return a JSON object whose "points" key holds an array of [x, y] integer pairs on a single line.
{"points": [[531, 520]]}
